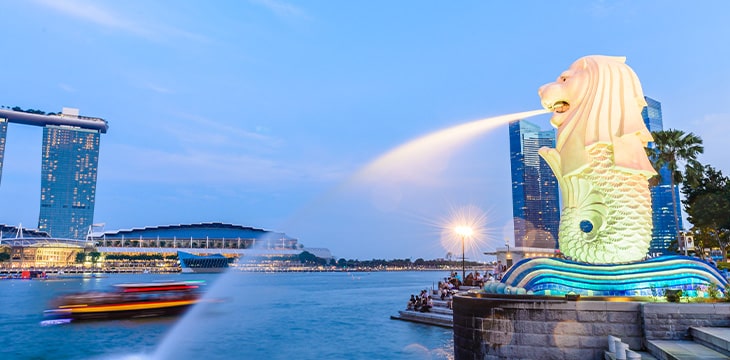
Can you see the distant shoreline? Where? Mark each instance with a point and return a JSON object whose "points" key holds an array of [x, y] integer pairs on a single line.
{"points": [[152, 270]]}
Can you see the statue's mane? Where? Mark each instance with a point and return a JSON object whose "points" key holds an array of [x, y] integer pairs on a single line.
{"points": [[609, 112]]}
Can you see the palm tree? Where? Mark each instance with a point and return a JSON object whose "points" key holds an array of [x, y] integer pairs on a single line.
{"points": [[673, 148]]}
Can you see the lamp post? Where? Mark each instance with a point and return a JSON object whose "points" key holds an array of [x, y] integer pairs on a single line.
{"points": [[463, 231]]}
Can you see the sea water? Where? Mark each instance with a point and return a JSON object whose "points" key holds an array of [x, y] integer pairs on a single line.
{"points": [[329, 315]]}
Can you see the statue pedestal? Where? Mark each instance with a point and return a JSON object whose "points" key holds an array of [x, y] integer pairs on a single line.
{"points": [[552, 276], [548, 327]]}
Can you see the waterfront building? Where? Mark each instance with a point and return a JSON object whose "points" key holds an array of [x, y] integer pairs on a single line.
{"points": [[665, 225], [208, 237], [70, 156], [204, 239], [535, 202], [255, 247], [29, 248]]}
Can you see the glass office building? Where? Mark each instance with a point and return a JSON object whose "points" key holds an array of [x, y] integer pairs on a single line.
{"points": [[68, 181], [665, 226], [3, 135], [535, 203]]}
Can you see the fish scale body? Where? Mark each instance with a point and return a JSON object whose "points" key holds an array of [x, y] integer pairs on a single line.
{"points": [[618, 205]]}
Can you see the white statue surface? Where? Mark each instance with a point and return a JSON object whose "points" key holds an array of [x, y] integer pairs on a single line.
{"points": [[600, 161]]}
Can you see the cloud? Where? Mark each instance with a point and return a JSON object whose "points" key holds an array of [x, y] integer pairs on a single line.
{"points": [[204, 124], [92, 12], [156, 88], [66, 87], [205, 166], [193, 149], [282, 9], [95, 14]]}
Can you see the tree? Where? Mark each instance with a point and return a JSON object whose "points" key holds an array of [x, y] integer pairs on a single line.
{"points": [[674, 149], [308, 258], [95, 255], [707, 204]]}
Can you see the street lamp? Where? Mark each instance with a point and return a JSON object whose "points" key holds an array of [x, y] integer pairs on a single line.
{"points": [[463, 231]]}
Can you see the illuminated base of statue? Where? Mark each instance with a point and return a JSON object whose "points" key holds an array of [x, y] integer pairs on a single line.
{"points": [[552, 276]]}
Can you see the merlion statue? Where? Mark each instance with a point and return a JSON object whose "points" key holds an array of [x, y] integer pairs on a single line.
{"points": [[600, 161]]}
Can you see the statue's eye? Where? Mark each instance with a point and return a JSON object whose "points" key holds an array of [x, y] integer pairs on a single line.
{"points": [[563, 78]]}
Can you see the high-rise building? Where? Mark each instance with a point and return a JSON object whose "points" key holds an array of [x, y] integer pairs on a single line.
{"points": [[535, 203], [70, 160], [69, 167], [665, 226], [3, 135]]}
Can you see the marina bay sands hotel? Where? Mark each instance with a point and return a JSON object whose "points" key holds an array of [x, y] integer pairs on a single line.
{"points": [[69, 167]]}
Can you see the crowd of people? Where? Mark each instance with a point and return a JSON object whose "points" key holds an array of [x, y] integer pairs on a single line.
{"points": [[422, 302], [451, 284]]}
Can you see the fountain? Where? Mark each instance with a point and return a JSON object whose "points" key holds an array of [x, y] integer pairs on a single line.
{"points": [[555, 308], [603, 171]]}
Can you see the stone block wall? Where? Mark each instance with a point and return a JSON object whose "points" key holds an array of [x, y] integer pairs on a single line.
{"points": [[541, 328], [532, 327], [671, 321]]}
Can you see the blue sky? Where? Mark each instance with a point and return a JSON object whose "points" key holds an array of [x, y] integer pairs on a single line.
{"points": [[261, 112]]}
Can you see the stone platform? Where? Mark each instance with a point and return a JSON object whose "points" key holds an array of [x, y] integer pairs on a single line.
{"points": [[440, 315], [544, 327]]}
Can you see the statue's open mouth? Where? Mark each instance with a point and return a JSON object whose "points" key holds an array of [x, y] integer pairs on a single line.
{"points": [[560, 107]]}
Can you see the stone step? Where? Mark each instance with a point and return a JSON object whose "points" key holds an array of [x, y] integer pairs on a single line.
{"points": [[607, 355], [716, 338], [439, 303], [425, 318], [436, 309], [682, 350], [442, 310]]}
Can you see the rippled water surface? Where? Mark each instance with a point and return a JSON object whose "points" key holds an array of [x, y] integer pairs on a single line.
{"points": [[259, 316]]}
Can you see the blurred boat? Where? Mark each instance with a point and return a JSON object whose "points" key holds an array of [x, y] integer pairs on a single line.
{"points": [[25, 275], [126, 301]]}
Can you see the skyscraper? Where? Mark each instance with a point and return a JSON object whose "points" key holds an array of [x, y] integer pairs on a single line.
{"points": [[69, 167], [535, 205], [3, 135], [665, 227], [68, 181]]}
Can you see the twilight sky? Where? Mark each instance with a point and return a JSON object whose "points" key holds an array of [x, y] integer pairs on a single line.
{"points": [[264, 113]]}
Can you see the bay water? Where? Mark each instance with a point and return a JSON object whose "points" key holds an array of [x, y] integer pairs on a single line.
{"points": [[327, 315]]}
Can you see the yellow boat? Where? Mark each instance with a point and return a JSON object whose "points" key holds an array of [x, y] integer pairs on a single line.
{"points": [[126, 301]]}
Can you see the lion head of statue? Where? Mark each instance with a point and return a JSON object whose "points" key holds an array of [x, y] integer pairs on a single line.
{"points": [[598, 100]]}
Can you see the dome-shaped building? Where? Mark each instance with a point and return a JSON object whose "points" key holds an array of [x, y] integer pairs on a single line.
{"points": [[203, 238]]}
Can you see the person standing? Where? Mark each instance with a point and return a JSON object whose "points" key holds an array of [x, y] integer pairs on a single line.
{"points": [[499, 270]]}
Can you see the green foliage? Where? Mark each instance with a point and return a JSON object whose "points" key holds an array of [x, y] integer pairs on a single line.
{"points": [[673, 295], [305, 257], [29, 111], [707, 202], [672, 148], [713, 291], [654, 292], [80, 257], [4, 256]]}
